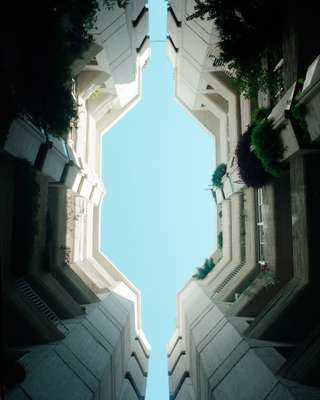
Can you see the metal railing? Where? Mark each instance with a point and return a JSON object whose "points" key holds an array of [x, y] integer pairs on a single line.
{"points": [[217, 62], [237, 269]]}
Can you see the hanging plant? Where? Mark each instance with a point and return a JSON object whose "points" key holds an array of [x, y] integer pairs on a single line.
{"points": [[218, 175], [267, 146]]}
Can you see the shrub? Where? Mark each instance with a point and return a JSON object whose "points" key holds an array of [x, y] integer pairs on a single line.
{"points": [[218, 175], [243, 25], [246, 29], [267, 146], [250, 167], [268, 277], [37, 69], [249, 79], [203, 271], [297, 117]]}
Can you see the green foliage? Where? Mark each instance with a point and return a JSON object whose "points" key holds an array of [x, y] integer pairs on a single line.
{"points": [[231, 19], [260, 151], [37, 51], [297, 116], [220, 240], [267, 146], [251, 169], [299, 88], [203, 271], [218, 175], [95, 94], [268, 277], [25, 223], [246, 29], [249, 79]]}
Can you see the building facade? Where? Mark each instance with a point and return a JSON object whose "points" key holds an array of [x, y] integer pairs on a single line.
{"points": [[241, 330], [213, 356], [73, 320]]}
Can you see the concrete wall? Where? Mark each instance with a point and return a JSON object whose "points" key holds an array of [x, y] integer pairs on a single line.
{"points": [[105, 353], [217, 361], [107, 87], [200, 86], [91, 361]]}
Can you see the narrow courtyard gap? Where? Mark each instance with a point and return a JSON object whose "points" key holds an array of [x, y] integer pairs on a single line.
{"points": [[158, 221]]}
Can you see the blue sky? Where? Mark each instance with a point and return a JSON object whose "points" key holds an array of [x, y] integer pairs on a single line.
{"points": [[158, 221]]}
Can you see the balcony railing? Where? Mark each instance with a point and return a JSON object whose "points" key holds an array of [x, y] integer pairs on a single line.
{"points": [[217, 62], [235, 271]]}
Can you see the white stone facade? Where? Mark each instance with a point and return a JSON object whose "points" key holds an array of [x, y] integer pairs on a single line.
{"points": [[107, 86], [203, 88], [202, 84], [100, 358], [212, 354], [210, 357]]}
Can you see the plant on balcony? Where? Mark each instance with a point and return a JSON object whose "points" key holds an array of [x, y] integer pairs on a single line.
{"points": [[252, 78], [203, 271], [297, 116], [246, 29], [95, 94], [267, 146], [251, 168], [218, 175], [268, 277], [37, 53]]}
